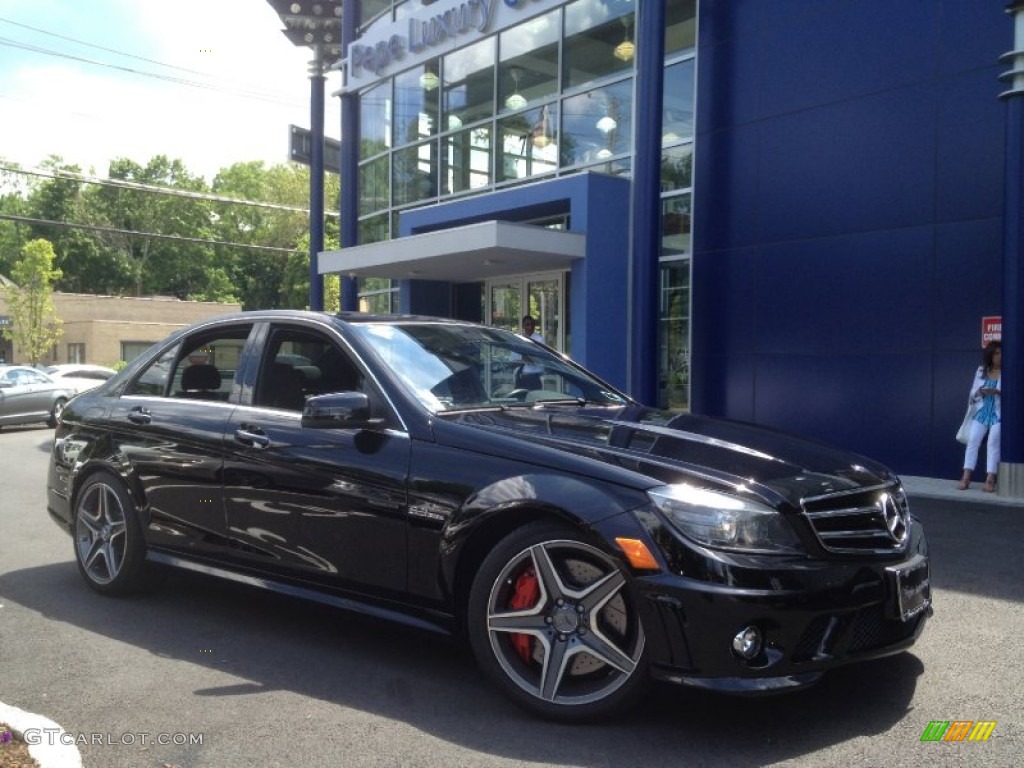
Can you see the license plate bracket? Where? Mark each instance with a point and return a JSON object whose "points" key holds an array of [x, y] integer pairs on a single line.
{"points": [[910, 583]]}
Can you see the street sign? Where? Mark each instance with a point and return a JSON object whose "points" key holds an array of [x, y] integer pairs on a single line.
{"points": [[300, 149], [991, 329]]}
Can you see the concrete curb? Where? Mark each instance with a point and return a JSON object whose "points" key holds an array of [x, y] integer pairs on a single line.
{"points": [[50, 752], [945, 488]]}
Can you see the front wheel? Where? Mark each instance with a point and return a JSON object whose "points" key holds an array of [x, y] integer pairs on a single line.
{"points": [[553, 621], [108, 537], [56, 411]]}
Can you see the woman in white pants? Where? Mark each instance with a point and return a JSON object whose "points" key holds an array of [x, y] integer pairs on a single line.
{"points": [[986, 390]]}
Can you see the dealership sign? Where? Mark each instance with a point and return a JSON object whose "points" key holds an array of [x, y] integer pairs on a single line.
{"points": [[991, 329], [442, 28]]}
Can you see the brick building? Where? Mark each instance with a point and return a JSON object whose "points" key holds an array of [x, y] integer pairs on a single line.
{"points": [[105, 329]]}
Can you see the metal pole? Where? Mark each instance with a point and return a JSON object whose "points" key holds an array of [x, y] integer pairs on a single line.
{"points": [[1011, 468], [349, 213], [316, 179]]}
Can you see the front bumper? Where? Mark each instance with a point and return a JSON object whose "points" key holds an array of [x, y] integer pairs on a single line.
{"points": [[812, 616]]}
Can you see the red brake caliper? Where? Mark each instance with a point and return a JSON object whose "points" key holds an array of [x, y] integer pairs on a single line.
{"points": [[525, 595]]}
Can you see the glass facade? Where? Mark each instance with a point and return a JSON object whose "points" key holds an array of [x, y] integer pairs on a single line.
{"points": [[550, 96]]}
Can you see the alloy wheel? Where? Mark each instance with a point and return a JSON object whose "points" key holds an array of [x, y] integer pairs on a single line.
{"points": [[101, 539], [561, 626]]}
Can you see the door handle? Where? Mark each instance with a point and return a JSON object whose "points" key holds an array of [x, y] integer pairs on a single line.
{"points": [[253, 436], [139, 415]]}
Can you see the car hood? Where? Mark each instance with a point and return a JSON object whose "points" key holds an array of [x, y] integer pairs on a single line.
{"points": [[669, 447]]}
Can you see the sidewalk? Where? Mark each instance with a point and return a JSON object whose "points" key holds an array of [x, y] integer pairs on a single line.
{"points": [[942, 488]]}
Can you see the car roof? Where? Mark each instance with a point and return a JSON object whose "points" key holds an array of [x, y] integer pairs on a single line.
{"points": [[350, 318]]}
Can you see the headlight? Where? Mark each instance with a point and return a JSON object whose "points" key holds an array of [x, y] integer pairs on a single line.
{"points": [[724, 521]]}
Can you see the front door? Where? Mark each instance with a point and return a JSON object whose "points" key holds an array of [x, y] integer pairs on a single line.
{"points": [[541, 295]]}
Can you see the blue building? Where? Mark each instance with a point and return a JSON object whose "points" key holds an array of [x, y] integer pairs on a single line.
{"points": [[787, 212]]}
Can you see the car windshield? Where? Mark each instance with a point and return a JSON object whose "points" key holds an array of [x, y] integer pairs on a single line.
{"points": [[454, 367]]}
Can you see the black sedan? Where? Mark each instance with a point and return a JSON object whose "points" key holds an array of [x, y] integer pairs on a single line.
{"points": [[580, 542]]}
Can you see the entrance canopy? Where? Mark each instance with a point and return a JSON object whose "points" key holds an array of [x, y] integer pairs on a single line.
{"points": [[464, 254]]}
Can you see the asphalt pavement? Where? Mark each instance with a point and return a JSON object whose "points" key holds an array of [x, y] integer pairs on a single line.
{"points": [[316, 687]]}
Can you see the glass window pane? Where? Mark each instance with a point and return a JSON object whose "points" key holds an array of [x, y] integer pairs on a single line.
{"points": [[373, 185], [375, 120], [677, 115], [467, 160], [677, 167], [417, 98], [414, 173], [374, 229], [371, 11], [469, 84], [528, 143], [597, 125], [674, 336], [680, 25], [598, 40], [529, 62], [504, 306], [675, 226]]}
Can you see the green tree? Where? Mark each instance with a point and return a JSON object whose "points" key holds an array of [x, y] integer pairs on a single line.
{"points": [[35, 327], [87, 266], [264, 278], [171, 264]]}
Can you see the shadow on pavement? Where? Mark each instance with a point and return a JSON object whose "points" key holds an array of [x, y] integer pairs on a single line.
{"points": [[975, 548], [433, 684]]}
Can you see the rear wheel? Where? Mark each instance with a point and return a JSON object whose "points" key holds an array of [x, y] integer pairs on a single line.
{"points": [[108, 538], [553, 621]]}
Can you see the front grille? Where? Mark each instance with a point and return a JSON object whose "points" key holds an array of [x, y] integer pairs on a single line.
{"points": [[866, 520]]}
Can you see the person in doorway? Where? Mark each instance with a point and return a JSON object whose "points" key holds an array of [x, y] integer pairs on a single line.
{"points": [[529, 374], [986, 392]]}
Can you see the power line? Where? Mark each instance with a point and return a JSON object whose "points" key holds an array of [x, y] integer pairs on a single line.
{"points": [[102, 48], [154, 235], [130, 70], [123, 183]]}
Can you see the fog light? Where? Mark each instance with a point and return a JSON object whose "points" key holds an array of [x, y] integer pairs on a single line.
{"points": [[747, 643]]}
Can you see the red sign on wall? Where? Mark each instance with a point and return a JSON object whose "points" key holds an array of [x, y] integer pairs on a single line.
{"points": [[991, 329]]}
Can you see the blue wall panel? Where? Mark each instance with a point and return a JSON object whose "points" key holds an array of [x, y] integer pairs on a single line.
{"points": [[849, 167], [855, 293], [970, 128], [847, 217]]}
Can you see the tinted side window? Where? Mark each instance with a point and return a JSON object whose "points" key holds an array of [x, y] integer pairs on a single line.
{"points": [[154, 377], [300, 363], [201, 367]]}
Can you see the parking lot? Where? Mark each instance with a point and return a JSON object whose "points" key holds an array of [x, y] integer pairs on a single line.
{"points": [[200, 673]]}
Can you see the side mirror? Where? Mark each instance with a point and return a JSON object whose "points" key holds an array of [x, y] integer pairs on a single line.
{"points": [[339, 410]]}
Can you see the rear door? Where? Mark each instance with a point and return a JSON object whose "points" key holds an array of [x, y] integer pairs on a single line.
{"points": [[168, 429]]}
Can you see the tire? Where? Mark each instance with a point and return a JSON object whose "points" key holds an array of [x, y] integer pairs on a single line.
{"points": [[108, 542], [568, 647], [55, 411]]}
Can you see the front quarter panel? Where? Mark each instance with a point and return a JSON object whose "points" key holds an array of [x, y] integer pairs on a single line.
{"points": [[459, 498]]}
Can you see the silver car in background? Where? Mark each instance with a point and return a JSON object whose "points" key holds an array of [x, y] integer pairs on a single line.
{"points": [[28, 395], [79, 376]]}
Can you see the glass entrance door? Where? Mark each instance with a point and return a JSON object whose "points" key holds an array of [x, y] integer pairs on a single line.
{"points": [[541, 295]]}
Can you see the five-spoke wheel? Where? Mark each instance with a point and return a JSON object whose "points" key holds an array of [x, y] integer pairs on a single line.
{"points": [[108, 546], [552, 619]]}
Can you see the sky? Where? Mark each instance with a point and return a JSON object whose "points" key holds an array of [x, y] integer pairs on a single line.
{"points": [[210, 82]]}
